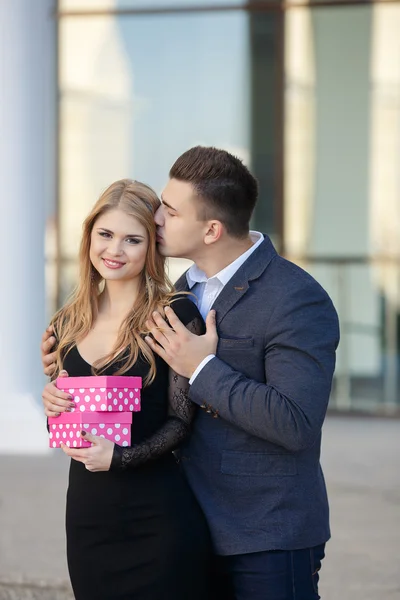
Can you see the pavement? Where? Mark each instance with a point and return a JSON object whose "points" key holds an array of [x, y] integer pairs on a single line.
{"points": [[360, 458]]}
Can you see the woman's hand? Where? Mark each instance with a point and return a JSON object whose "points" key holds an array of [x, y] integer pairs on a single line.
{"points": [[96, 458], [55, 401]]}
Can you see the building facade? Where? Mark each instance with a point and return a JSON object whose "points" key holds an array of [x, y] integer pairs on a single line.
{"points": [[307, 93]]}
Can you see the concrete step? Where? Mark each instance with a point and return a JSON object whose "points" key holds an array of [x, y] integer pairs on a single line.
{"points": [[10, 590]]}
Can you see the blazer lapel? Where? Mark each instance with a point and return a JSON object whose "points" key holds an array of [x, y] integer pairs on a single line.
{"points": [[239, 284], [181, 285]]}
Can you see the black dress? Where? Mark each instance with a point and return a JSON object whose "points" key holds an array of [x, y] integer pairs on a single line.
{"points": [[136, 532]]}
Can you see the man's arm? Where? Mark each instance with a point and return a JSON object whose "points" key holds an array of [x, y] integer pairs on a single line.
{"points": [[299, 359]]}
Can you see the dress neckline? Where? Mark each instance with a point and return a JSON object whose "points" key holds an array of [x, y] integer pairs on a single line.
{"points": [[85, 361], [81, 357]]}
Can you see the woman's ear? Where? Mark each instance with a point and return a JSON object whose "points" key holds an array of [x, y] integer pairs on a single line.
{"points": [[214, 232]]}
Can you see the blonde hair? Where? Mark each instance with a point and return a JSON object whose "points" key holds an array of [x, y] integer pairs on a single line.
{"points": [[74, 320]]}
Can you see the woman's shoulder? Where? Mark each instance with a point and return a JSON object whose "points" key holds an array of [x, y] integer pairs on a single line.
{"points": [[185, 308]]}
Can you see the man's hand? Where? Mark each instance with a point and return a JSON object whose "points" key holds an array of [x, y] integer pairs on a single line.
{"points": [[182, 350], [55, 401], [96, 458], [48, 358]]}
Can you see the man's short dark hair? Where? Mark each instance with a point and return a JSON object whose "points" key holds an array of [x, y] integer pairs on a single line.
{"points": [[226, 188]]}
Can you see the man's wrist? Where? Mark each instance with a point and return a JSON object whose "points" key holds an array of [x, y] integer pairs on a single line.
{"points": [[200, 367]]}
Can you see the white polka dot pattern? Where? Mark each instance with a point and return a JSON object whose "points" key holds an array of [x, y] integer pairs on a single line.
{"points": [[106, 399], [72, 438], [114, 400]]}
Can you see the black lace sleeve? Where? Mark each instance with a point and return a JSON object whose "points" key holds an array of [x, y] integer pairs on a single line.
{"points": [[175, 429]]}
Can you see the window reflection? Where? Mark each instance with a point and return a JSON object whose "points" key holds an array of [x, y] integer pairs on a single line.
{"points": [[137, 92], [341, 182], [96, 5]]}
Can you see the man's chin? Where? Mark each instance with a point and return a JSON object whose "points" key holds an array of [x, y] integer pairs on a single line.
{"points": [[168, 252], [162, 249]]}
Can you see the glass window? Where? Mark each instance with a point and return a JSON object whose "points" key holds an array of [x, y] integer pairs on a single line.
{"points": [[97, 5], [137, 92], [308, 97], [342, 190]]}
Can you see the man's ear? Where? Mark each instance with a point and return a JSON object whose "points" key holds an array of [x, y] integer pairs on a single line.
{"points": [[214, 232]]}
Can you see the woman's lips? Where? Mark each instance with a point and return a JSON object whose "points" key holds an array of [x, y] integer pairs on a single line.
{"points": [[112, 264]]}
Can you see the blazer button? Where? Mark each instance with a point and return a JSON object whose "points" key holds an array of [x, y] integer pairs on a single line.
{"points": [[209, 409], [215, 415], [203, 406]]}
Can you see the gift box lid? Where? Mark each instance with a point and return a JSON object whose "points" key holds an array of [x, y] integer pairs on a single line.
{"points": [[99, 381], [91, 417]]}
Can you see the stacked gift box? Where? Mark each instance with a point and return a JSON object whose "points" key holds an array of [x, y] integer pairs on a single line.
{"points": [[104, 406]]}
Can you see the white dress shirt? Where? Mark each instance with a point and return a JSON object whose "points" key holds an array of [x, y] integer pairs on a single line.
{"points": [[208, 290]]}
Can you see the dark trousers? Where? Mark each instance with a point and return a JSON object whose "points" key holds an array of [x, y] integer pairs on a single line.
{"points": [[272, 575]]}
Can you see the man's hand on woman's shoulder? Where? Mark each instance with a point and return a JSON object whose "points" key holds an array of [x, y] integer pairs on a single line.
{"points": [[48, 357]]}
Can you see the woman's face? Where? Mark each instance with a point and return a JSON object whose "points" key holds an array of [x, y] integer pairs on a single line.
{"points": [[118, 246]]}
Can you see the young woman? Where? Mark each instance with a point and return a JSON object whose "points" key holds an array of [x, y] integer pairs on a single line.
{"points": [[134, 529]]}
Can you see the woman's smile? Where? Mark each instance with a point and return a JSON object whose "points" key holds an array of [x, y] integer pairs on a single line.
{"points": [[112, 264]]}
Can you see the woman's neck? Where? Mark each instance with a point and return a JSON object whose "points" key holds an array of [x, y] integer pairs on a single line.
{"points": [[118, 298]]}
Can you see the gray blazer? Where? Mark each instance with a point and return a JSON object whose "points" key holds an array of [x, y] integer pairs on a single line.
{"points": [[253, 459]]}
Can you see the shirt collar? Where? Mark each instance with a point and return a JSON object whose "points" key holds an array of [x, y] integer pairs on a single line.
{"points": [[195, 275]]}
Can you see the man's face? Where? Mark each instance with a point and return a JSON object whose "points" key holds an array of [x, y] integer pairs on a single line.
{"points": [[180, 234]]}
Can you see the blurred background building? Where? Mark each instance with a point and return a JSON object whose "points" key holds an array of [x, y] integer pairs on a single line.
{"points": [[307, 93]]}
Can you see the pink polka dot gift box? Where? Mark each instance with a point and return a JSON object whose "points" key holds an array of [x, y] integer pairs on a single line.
{"points": [[67, 428], [103, 393]]}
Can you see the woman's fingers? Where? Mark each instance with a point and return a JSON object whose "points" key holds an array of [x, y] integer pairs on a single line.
{"points": [[51, 413], [55, 400], [80, 455]]}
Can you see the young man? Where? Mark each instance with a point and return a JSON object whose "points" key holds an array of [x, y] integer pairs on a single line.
{"points": [[262, 376]]}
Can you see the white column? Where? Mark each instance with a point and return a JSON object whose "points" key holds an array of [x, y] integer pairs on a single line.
{"points": [[27, 54]]}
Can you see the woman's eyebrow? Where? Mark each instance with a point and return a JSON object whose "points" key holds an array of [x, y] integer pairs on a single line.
{"points": [[135, 235]]}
